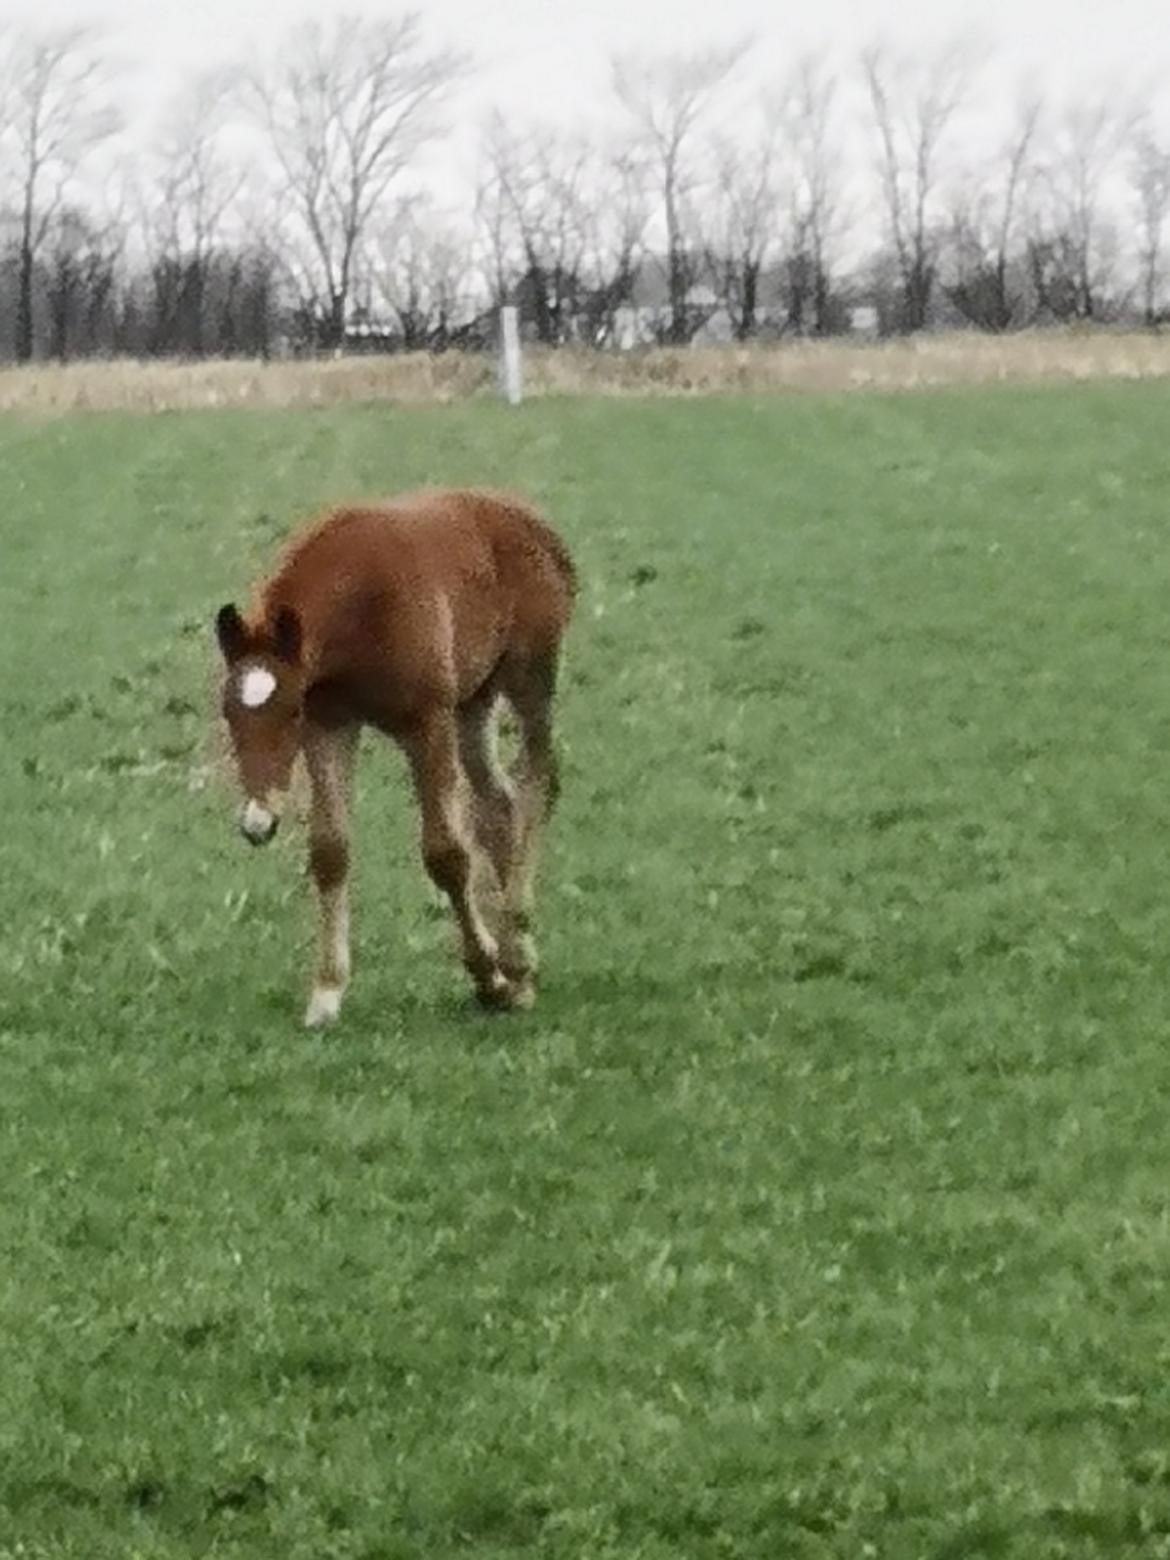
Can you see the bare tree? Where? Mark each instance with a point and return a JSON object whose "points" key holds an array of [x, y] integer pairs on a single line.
{"points": [[1150, 176], [615, 244], [81, 260], [261, 304], [1073, 247], [191, 190], [668, 100], [807, 109], [53, 88], [745, 210], [987, 286], [541, 182], [345, 109], [418, 268], [913, 107], [498, 259]]}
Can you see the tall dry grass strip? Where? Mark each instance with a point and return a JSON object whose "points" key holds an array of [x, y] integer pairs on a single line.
{"points": [[918, 363]]}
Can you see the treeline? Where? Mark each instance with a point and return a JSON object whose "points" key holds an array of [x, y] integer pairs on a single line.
{"points": [[277, 207]]}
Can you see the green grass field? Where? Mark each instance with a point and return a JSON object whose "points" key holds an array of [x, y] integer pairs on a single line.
{"points": [[821, 1207]]}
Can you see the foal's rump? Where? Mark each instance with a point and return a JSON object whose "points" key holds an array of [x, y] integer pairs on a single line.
{"points": [[419, 599]]}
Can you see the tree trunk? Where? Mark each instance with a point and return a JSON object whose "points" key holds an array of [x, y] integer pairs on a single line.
{"points": [[333, 325], [820, 298], [919, 282], [676, 269], [24, 299], [750, 303], [60, 307]]}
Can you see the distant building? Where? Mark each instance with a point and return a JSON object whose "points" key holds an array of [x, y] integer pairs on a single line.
{"points": [[364, 334]]}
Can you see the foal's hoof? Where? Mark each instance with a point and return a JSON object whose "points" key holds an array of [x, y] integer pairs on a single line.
{"points": [[524, 995], [518, 955], [521, 979], [324, 1007], [500, 995]]}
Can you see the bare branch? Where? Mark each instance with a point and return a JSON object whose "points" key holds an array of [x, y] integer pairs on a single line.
{"points": [[418, 267], [54, 88], [1150, 179], [913, 108], [987, 283], [537, 192], [195, 184], [1074, 247], [345, 110], [746, 214], [667, 99], [807, 110]]}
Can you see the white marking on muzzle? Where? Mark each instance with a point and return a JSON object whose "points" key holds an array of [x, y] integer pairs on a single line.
{"points": [[257, 686], [256, 821]]}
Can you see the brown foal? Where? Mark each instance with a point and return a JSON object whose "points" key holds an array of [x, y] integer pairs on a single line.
{"points": [[416, 617]]}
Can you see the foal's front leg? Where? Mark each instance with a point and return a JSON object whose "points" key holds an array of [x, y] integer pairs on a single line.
{"points": [[451, 853], [329, 758]]}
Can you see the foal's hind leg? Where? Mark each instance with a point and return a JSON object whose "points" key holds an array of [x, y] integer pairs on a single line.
{"points": [[451, 853], [530, 686], [329, 758], [496, 820]]}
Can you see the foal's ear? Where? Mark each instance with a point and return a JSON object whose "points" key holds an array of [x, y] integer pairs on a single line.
{"points": [[287, 635], [231, 632]]}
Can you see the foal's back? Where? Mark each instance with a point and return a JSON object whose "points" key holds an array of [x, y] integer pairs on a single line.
{"points": [[422, 597]]}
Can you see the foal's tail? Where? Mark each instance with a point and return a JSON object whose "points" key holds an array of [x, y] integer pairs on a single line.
{"points": [[560, 555], [555, 548], [542, 536]]}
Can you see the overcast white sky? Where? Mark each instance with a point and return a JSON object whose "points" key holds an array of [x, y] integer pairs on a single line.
{"points": [[553, 53], [548, 58]]}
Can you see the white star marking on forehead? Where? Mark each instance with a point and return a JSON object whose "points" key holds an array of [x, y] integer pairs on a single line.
{"points": [[256, 687]]}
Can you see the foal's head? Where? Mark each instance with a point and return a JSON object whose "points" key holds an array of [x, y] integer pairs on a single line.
{"points": [[263, 696]]}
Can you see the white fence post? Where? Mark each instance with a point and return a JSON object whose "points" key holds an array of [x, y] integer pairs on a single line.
{"points": [[510, 377]]}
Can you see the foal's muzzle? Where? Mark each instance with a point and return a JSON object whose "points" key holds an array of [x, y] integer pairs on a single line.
{"points": [[257, 824]]}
